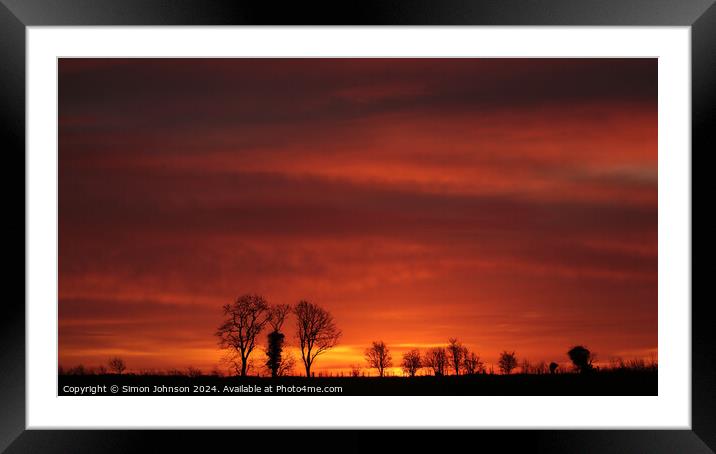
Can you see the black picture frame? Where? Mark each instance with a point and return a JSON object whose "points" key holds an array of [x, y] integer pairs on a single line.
{"points": [[16, 15]]}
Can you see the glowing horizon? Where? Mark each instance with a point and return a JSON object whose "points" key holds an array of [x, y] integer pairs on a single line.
{"points": [[510, 203]]}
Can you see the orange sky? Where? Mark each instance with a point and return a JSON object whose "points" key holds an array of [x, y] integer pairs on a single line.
{"points": [[511, 203]]}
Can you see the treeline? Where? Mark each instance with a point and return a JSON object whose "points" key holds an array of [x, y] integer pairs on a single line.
{"points": [[250, 315], [412, 364], [456, 359]]}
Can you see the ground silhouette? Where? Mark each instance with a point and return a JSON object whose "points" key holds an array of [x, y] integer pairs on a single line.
{"points": [[628, 382]]}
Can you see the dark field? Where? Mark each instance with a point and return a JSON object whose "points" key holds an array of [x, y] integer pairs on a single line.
{"points": [[606, 383]]}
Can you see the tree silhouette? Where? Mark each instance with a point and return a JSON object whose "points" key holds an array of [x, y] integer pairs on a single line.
{"points": [[456, 353], [193, 372], [507, 362], [378, 356], [277, 316], [412, 362], [553, 367], [273, 351], [582, 358], [243, 321], [316, 332], [117, 365], [472, 363], [437, 360]]}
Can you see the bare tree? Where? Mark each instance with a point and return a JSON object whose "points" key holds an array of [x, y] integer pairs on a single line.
{"points": [[472, 363], [507, 362], [412, 362], [436, 359], [243, 321], [276, 317], [378, 356], [317, 332], [456, 353], [117, 365]]}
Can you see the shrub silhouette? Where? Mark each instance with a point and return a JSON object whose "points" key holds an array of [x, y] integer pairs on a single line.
{"points": [[581, 357], [355, 370], [553, 367]]}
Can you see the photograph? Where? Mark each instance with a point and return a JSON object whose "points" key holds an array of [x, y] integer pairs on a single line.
{"points": [[357, 226]]}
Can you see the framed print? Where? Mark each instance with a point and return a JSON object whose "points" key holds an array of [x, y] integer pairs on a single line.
{"points": [[448, 214]]}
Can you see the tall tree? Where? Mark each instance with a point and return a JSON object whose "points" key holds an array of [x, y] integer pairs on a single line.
{"points": [[378, 356], [243, 321], [316, 332], [274, 350]]}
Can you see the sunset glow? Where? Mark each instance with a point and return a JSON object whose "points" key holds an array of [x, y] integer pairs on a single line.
{"points": [[511, 203]]}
